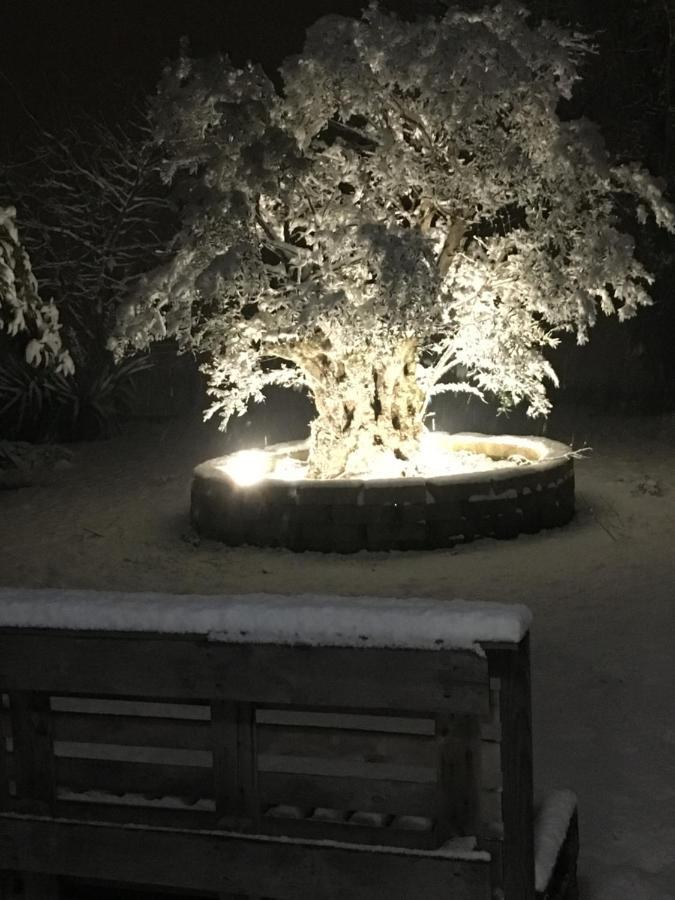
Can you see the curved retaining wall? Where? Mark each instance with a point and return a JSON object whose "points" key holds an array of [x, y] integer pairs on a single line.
{"points": [[344, 516]]}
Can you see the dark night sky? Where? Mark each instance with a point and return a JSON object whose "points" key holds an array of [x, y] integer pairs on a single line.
{"points": [[60, 55]]}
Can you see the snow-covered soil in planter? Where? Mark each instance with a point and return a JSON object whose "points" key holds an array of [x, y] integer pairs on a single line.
{"points": [[602, 591]]}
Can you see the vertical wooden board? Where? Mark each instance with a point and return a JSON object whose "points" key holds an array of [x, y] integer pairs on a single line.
{"points": [[5, 743], [40, 887], [494, 847], [491, 765], [516, 753], [7, 891], [458, 741], [33, 751], [491, 814], [235, 763], [491, 725]]}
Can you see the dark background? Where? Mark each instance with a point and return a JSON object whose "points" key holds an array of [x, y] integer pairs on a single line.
{"points": [[60, 58]]}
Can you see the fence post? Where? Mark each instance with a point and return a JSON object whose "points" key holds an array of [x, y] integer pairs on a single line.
{"points": [[34, 775]]}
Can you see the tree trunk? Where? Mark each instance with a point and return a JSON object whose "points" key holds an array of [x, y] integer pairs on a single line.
{"points": [[369, 412]]}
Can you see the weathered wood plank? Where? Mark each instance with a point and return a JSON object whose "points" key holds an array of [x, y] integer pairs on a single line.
{"points": [[453, 681], [131, 731], [347, 744], [40, 887], [125, 813], [233, 741], [32, 756], [164, 709], [351, 720], [346, 768], [398, 798], [115, 777], [491, 812], [458, 795], [495, 848], [491, 765], [346, 832], [513, 667], [5, 744], [286, 870]]}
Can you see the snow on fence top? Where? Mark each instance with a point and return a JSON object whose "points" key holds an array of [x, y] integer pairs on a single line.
{"points": [[272, 618]]}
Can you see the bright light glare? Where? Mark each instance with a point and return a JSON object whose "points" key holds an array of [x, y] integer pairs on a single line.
{"points": [[247, 467], [288, 469]]}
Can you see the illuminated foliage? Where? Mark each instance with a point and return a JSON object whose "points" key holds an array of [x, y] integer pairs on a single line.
{"points": [[407, 215]]}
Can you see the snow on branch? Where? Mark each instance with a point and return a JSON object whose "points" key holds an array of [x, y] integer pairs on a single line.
{"points": [[22, 311], [407, 213]]}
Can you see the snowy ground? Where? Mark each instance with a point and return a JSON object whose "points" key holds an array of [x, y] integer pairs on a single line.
{"points": [[602, 592]]}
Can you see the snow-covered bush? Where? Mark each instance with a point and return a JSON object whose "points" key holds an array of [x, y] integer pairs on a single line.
{"points": [[22, 311], [407, 215]]}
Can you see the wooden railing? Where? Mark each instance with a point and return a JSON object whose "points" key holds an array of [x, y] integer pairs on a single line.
{"points": [[290, 772]]}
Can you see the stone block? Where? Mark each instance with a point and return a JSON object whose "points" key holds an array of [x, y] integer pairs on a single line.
{"points": [[411, 536], [348, 539], [349, 515], [412, 513], [316, 537], [381, 515], [314, 515], [380, 536], [333, 493], [388, 491]]}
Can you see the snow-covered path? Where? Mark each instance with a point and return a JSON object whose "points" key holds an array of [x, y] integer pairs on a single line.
{"points": [[602, 592]]}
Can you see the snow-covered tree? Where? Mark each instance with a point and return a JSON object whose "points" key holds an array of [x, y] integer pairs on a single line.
{"points": [[93, 215], [408, 214], [22, 311]]}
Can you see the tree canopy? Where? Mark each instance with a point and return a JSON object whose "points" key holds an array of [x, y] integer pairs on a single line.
{"points": [[406, 214]]}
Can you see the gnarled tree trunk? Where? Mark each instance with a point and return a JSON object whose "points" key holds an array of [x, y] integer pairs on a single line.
{"points": [[369, 411]]}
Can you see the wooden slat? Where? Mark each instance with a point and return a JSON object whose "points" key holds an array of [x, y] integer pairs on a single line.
{"points": [[458, 739], [158, 756], [495, 848], [491, 811], [307, 791], [347, 744], [452, 681], [33, 753], [233, 741], [346, 768], [286, 870], [169, 817], [165, 709], [351, 720], [513, 667], [5, 744], [491, 765], [132, 731], [491, 729], [346, 833], [136, 778]]}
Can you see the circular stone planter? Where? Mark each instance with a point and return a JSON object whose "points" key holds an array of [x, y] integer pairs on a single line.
{"points": [[390, 514]]}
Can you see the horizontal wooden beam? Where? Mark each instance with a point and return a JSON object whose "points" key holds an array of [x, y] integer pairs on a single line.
{"points": [[232, 863], [398, 798], [131, 731], [188, 668]]}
